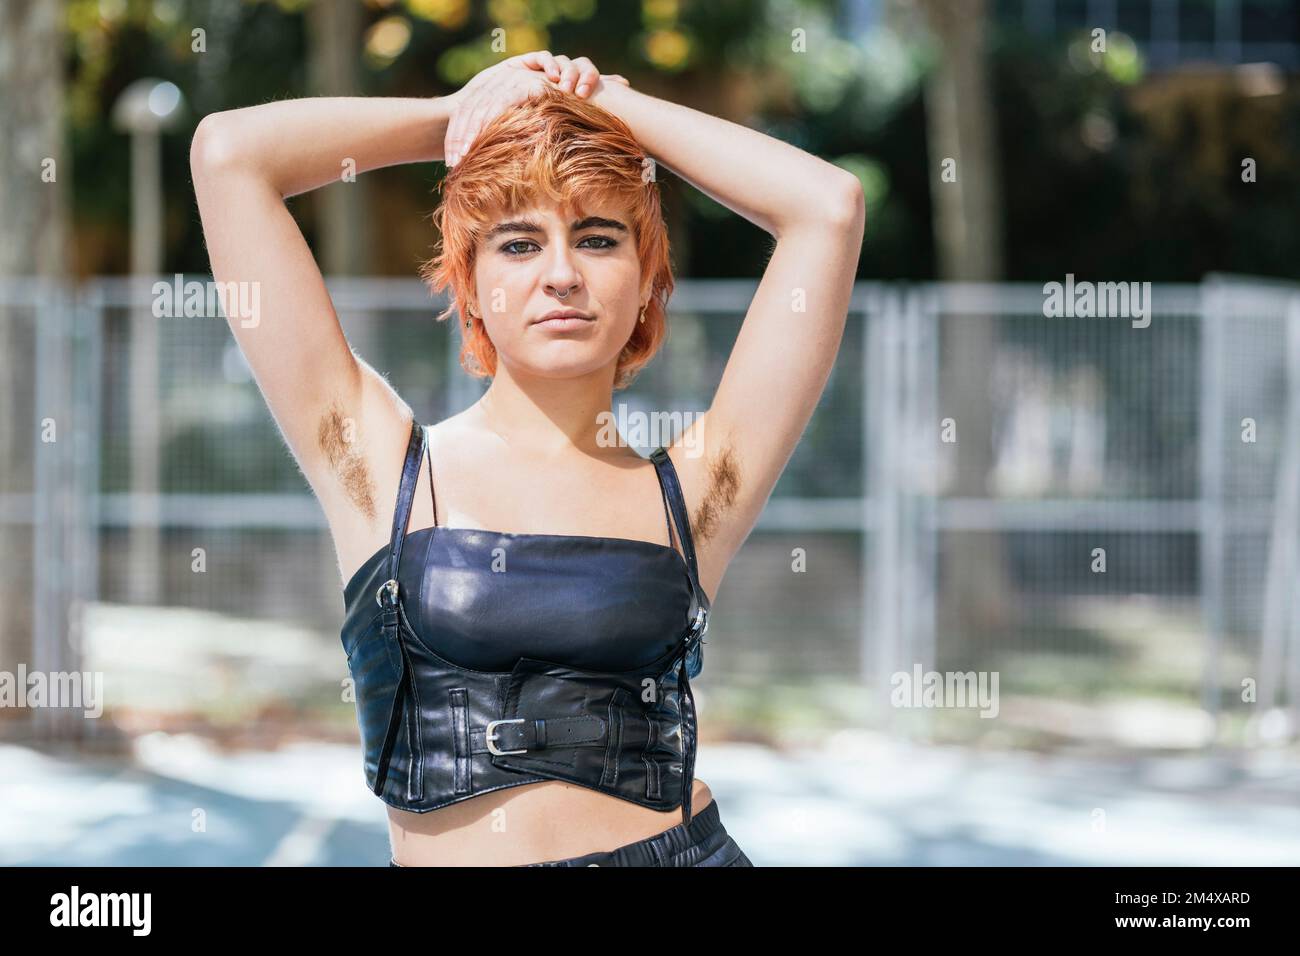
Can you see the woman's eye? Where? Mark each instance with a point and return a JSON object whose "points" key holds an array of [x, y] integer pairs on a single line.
{"points": [[605, 242]]}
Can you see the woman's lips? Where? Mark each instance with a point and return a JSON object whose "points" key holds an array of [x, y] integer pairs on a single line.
{"points": [[563, 324]]}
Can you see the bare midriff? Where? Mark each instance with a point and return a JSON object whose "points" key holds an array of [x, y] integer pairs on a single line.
{"points": [[533, 823]]}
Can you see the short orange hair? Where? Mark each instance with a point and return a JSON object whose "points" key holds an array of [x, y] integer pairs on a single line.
{"points": [[559, 146]]}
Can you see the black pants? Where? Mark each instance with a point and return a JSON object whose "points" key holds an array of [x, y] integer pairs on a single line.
{"points": [[703, 842]]}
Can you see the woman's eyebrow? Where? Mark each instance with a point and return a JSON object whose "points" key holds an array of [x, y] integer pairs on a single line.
{"points": [[593, 222], [518, 225], [528, 225]]}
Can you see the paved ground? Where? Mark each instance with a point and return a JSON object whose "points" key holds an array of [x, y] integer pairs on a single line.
{"points": [[867, 800]]}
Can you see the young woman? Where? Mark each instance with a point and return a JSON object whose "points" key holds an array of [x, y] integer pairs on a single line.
{"points": [[501, 674]]}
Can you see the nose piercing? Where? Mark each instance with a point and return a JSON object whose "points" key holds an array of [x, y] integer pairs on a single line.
{"points": [[562, 295]]}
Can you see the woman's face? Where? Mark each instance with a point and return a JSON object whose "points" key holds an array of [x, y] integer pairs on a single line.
{"points": [[543, 259]]}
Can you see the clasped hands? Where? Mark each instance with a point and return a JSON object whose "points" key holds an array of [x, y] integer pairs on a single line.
{"points": [[511, 82]]}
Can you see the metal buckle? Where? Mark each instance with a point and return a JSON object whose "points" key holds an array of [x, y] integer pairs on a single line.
{"points": [[391, 587], [693, 646], [491, 736], [701, 622]]}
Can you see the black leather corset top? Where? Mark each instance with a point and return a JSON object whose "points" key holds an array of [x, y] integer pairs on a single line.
{"points": [[482, 659], [483, 599]]}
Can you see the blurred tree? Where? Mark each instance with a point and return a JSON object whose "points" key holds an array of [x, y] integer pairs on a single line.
{"points": [[334, 38], [965, 182], [732, 59], [33, 208]]}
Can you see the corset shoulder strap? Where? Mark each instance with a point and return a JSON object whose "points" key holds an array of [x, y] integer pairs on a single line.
{"points": [[672, 490], [405, 496]]}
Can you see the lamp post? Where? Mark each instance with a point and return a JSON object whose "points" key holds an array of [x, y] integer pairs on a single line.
{"points": [[145, 109]]}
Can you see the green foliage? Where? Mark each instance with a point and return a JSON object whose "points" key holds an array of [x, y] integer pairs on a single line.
{"points": [[1106, 169]]}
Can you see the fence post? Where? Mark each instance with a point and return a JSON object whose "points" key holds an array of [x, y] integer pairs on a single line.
{"points": [[45, 571], [144, 540], [53, 512], [1211, 491], [87, 400], [1288, 523], [884, 644], [920, 393], [870, 612]]}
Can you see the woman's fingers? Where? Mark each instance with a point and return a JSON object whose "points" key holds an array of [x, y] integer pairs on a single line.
{"points": [[454, 144], [542, 61], [486, 107], [463, 123], [493, 91], [470, 121], [577, 75], [568, 73], [588, 76]]}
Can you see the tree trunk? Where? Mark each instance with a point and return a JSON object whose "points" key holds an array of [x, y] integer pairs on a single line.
{"points": [[334, 38], [961, 126], [33, 213]]}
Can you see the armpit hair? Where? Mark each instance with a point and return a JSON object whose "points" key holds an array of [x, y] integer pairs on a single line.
{"points": [[345, 461], [724, 484]]}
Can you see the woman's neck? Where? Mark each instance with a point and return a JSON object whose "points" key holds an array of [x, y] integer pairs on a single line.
{"points": [[548, 417]]}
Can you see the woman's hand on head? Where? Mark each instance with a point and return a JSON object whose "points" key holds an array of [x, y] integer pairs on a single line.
{"points": [[509, 83], [579, 76]]}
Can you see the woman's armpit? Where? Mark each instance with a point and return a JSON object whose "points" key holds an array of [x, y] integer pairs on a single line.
{"points": [[722, 489], [336, 438]]}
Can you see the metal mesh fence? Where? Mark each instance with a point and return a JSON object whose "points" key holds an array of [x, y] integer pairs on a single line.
{"points": [[1115, 534]]}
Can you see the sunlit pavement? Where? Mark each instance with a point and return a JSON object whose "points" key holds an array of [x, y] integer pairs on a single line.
{"points": [[863, 800]]}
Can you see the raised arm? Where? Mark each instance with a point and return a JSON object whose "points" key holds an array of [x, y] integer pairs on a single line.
{"points": [[792, 331], [245, 164], [335, 413]]}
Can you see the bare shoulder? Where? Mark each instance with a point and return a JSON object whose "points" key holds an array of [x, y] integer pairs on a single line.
{"points": [[452, 430]]}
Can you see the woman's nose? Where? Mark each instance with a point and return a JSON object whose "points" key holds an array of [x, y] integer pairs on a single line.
{"points": [[561, 274]]}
